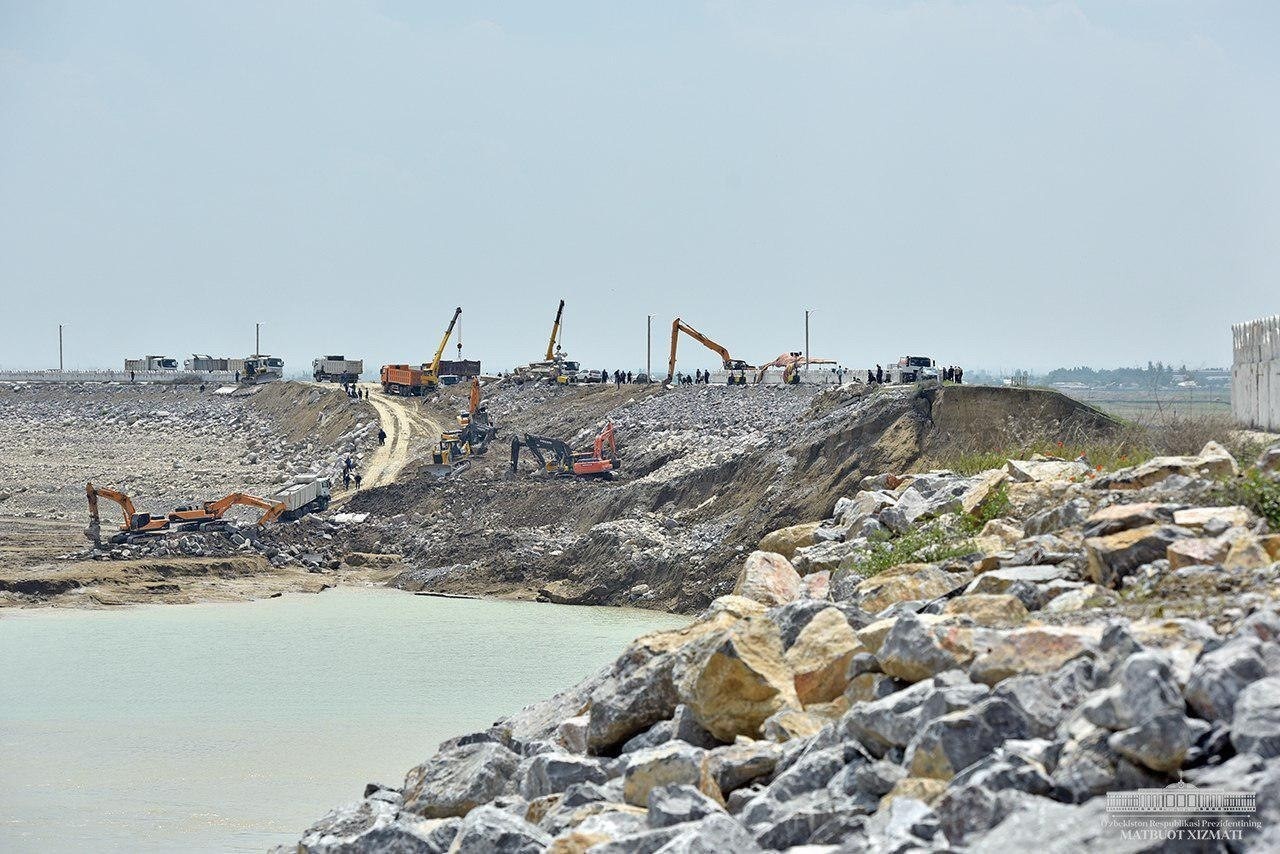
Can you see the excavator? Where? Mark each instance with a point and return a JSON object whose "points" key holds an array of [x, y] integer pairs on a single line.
{"points": [[473, 436], [791, 363], [135, 524], [209, 512], [555, 457], [736, 367]]}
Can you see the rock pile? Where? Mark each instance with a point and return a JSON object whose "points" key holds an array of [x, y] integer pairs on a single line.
{"points": [[987, 701]]}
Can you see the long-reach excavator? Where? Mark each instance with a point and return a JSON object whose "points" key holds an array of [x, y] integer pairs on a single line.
{"points": [[736, 367], [554, 456], [213, 511], [135, 523]]}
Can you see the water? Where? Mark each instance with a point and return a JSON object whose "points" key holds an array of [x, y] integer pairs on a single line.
{"points": [[229, 727]]}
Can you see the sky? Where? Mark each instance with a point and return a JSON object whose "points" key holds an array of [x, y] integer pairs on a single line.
{"points": [[995, 184]]}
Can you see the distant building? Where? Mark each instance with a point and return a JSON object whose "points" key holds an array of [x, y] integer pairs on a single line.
{"points": [[1255, 373]]}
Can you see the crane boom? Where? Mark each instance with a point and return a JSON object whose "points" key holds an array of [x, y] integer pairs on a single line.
{"points": [[555, 333], [678, 326], [435, 363]]}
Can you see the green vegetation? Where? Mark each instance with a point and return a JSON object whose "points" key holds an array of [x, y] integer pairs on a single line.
{"points": [[930, 544], [996, 505], [1256, 490]]}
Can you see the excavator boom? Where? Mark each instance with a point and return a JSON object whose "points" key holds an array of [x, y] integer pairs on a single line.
{"points": [[678, 326], [555, 333]]}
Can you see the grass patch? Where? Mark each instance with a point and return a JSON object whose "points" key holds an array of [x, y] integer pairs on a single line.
{"points": [[931, 544], [1256, 490], [995, 506]]}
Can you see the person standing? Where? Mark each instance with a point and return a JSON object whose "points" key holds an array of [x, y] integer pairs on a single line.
{"points": [[382, 436], [959, 375], [879, 375]]}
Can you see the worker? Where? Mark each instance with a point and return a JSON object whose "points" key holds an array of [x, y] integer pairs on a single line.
{"points": [[629, 379], [879, 374], [348, 465], [382, 436], [346, 478], [959, 375], [358, 481]]}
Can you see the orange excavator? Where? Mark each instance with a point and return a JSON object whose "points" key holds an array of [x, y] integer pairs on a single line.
{"points": [[791, 363], [213, 511], [736, 367], [135, 523], [554, 456]]}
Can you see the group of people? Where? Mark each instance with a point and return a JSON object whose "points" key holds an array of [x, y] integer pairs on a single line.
{"points": [[620, 377], [349, 473], [355, 392], [700, 377], [953, 374]]}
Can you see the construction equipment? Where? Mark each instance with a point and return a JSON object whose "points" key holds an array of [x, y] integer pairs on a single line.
{"points": [[474, 434], [913, 368], [556, 367], [336, 369], [211, 512], [791, 363], [151, 363], [135, 523], [555, 457], [736, 367], [258, 368], [406, 380], [553, 342]]}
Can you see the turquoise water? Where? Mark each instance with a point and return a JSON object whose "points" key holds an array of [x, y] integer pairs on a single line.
{"points": [[229, 727]]}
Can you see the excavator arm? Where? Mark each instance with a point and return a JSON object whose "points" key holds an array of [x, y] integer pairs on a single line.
{"points": [[273, 509], [555, 333], [444, 342], [678, 326], [605, 440], [134, 522]]}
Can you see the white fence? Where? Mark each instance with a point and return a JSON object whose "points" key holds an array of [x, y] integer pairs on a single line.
{"points": [[1255, 373], [116, 376]]}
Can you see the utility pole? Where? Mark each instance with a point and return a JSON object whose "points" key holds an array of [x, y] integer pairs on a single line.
{"points": [[257, 339], [648, 348], [806, 339], [60, 348]]}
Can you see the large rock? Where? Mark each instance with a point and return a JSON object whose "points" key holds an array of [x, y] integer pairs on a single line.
{"points": [[1067, 515], [640, 689], [768, 578], [1038, 471], [1218, 677], [820, 657], [373, 825], [785, 541], [490, 830], [1213, 461], [1197, 551], [1213, 517], [981, 488], [1121, 517], [953, 742], [1049, 827], [1111, 558], [903, 583], [1255, 728], [674, 763], [1030, 650], [1048, 699], [734, 679], [1159, 743], [714, 834], [913, 650], [736, 765], [549, 773], [988, 609], [1143, 686], [455, 781], [677, 804]]}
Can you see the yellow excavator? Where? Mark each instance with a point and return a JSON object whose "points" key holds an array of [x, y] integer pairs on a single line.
{"points": [[473, 436], [736, 367], [135, 523]]}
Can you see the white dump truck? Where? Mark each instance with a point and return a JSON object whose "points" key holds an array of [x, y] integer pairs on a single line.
{"points": [[303, 494], [151, 363], [337, 369]]}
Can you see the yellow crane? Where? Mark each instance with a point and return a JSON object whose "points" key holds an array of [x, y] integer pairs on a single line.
{"points": [[431, 374], [555, 333], [735, 367]]}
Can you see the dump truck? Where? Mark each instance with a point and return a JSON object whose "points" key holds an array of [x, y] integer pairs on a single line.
{"points": [[911, 369], [198, 362], [336, 369], [151, 363], [303, 494]]}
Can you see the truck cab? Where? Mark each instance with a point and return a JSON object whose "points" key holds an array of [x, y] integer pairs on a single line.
{"points": [[912, 369]]}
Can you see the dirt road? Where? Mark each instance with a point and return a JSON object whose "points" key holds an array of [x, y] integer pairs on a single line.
{"points": [[410, 433]]}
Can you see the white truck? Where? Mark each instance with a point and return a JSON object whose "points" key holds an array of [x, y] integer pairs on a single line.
{"points": [[151, 363], [337, 369], [198, 362], [303, 494]]}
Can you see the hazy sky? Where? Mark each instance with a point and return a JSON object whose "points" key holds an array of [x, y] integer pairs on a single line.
{"points": [[996, 184]]}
